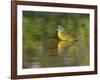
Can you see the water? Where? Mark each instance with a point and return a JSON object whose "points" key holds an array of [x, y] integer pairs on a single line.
{"points": [[55, 53]]}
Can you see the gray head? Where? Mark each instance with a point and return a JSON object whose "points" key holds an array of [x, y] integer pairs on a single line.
{"points": [[61, 28]]}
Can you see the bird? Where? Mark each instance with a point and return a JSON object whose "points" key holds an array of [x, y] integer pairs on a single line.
{"points": [[64, 35], [66, 39]]}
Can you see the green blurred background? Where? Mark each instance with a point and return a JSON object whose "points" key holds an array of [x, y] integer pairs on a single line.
{"points": [[40, 40]]}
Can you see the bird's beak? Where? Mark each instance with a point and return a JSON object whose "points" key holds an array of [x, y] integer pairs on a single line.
{"points": [[57, 29]]}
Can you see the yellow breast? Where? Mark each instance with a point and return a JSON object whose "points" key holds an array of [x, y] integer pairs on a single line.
{"points": [[65, 36], [62, 35]]}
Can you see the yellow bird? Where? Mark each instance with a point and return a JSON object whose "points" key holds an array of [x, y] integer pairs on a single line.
{"points": [[63, 35]]}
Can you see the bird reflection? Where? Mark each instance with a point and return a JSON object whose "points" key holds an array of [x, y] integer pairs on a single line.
{"points": [[63, 46]]}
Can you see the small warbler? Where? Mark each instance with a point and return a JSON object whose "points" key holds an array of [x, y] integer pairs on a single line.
{"points": [[63, 35]]}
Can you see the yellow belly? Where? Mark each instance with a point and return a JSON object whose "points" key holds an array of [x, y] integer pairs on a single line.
{"points": [[63, 36]]}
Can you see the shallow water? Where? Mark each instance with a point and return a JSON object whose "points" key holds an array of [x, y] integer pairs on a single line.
{"points": [[55, 53]]}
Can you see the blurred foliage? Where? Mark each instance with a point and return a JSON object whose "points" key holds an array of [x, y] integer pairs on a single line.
{"points": [[40, 37]]}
